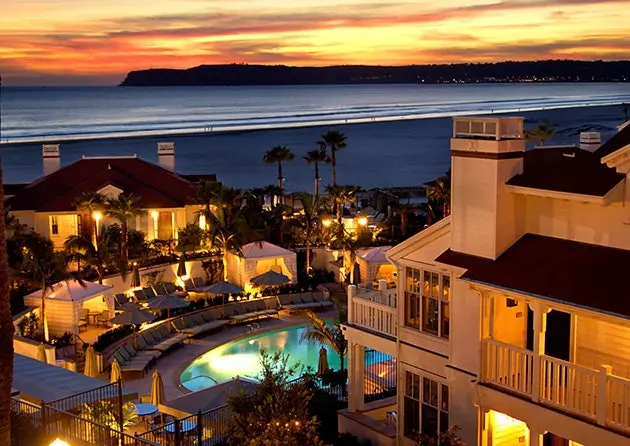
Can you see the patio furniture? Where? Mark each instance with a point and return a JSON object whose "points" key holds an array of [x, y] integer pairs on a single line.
{"points": [[103, 318], [184, 426], [140, 296], [120, 299], [160, 289], [172, 289], [92, 315], [146, 411], [148, 292], [83, 320]]}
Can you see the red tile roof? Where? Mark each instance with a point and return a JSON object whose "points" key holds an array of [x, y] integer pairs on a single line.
{"points": [[155, 186], [570, 170], [579, 274]]}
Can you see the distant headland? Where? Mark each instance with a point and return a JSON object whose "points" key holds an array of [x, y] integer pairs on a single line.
{"points": [[499, 72]]}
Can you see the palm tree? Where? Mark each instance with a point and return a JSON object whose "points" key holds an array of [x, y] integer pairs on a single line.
{"points": [[278, 155], [97, 258], [206, 194], [332, 336], [439, 192], [349, 246], [122, 209], [335, 141], [540, 134], [315, 157], [306, 222], [6, 332], [45, 267], [88, 203], [340, 196]]}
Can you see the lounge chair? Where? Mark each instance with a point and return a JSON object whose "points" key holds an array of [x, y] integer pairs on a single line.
{"points": [[83, 320], [139, 295], [160, 289], [161, 339], [103, 318], [172, 289], [148, 292], [120, 299]]}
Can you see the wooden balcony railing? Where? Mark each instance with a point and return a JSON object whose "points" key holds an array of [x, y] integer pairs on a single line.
{"points": [[596, 395], [373, 315]]}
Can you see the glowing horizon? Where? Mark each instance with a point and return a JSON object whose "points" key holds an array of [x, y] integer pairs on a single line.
{"points": [[63, 42]]}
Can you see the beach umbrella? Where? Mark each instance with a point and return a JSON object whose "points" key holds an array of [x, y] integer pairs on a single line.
{"points": [[181, 267], [222, 287], [168, 302], [270, 278], [132, 315], [322, 364], [157, 389], [116, 374], [90, 363], [135, 276], [41, 353]]}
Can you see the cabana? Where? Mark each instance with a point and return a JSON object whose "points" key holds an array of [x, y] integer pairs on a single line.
{"points": [[258, 258], [373, 265], [68, 300]]}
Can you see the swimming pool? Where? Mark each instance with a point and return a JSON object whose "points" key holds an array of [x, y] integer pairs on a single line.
{"points": [[241, 358]]}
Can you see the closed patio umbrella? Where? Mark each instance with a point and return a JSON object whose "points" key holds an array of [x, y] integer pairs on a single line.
{"points": [[181, 267], [270, 278], [135, 276], [116, 374], [322, 364], [90, 363], [157, 389], [167, 302], [41, 353]]}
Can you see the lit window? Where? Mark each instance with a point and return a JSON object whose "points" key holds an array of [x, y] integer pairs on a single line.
{"points": [[54, 225], [202, 221], [425, 407], [427, 302]]}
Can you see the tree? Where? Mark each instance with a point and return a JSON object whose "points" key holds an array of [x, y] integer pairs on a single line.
{"points": [[315, 157], [540, 134], [349, 246], [190, 238], [276, 414], [122, 209], [332, 336], [6, 333], [340, 196], [45, 267], [278, 155], [335, 141], [439, 192], [98, 258], [206, 194], [89, 203], [306, 222]]}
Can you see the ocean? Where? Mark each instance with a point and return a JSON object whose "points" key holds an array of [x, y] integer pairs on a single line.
{"points": [[397, 134]]}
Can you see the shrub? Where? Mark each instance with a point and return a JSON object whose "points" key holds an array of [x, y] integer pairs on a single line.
{"points": [[347, 439], [28, 327], [65, 340], [110, 337]]}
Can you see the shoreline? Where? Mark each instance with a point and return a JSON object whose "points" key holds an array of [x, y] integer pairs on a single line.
{"points": [[243, 129]]}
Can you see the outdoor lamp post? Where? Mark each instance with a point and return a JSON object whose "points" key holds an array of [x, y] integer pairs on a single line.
{"points": [[97, 216]]}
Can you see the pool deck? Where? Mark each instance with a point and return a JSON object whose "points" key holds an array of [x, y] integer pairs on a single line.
{"points": [[173, 364]]}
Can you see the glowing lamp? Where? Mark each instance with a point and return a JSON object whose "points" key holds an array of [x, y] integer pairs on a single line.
{"points": [[327, 222], [96, 215], [202, 222], [59, 442], [362, 221], [155, 215]]}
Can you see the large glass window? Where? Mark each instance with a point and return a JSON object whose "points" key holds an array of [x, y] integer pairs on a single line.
{"points": [[426, 407], [427, 298], [54, 225]]}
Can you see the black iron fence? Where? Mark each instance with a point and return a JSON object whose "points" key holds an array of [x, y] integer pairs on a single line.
{"points": [[32, 424], [207, 428], [380, 376], [112, 393]]}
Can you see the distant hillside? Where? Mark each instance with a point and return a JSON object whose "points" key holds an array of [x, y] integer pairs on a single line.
{"points": [[242, 74]]}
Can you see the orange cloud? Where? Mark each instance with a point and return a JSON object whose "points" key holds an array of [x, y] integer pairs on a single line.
{"points": [[41, 43]]}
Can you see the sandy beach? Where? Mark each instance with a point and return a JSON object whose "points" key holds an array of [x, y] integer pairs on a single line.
{"points": [[395, 153]]}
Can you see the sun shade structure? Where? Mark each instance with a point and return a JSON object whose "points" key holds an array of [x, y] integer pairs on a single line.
{"points": [[373, 265], [258, 258], [38, 381], [116, 373], [157, 389], [66, 300], [181, 267], [132, 315], [270, 278], [91, 368], [135, 277], [224, 287], [168, 302], [322, 364]]}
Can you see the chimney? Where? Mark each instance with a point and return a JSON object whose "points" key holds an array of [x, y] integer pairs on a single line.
{"points": [[590, 141], [485, 153], [166, 155], [50, 158]]}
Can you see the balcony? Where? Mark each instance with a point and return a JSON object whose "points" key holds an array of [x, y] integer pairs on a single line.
{"points": [[374, 310], [595, 395]]}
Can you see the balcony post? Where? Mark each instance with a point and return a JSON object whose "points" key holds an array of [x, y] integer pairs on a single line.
{"points": [[352, 293], [602, 394], [535, 436], [540, 327], [356, 372]]}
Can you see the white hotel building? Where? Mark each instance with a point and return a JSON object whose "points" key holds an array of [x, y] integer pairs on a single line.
{"points": [[511, 317]]}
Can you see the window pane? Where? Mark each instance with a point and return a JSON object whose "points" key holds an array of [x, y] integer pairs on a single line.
{"points": [[411, 416], [412, 310], [430, 315], [444, 398], [416, 387], [409, 279], [446, 288], [444, 421], [435, 285], [408, 384], [434, 394], [426, 284], [429, 420], [426, 390], [445, 315]]}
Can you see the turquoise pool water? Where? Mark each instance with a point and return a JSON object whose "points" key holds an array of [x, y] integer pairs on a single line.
{"points": [[241, 358]]}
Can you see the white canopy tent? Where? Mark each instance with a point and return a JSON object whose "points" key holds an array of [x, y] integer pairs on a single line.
{"points": [[66, 300], [373, 265], [258, 258]]}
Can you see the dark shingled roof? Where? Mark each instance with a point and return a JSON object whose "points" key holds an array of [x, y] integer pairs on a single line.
{"points": [[580, 274], [618, 141], [564, 169], [155, 186]]}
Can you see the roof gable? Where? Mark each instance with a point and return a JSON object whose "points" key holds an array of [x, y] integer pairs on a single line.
{"points": [[618, 141], [262, 249]]}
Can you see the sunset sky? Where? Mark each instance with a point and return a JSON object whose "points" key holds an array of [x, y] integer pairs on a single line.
{"points": [[96, 42]]}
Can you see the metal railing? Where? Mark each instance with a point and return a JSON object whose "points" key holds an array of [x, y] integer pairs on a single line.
{"points": [[380, 376], [109, 392]]}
